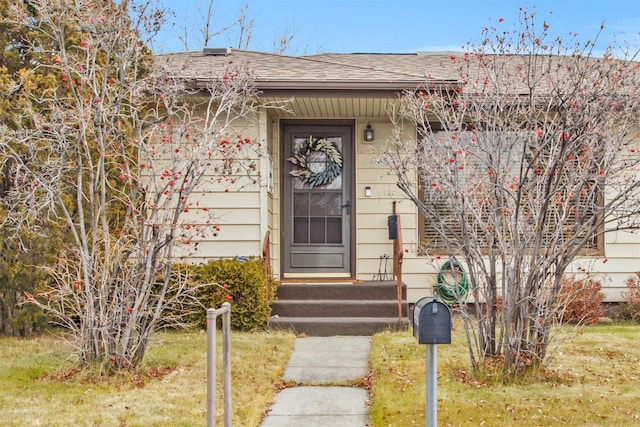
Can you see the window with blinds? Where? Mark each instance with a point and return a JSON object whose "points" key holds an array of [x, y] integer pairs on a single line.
{"points": [[446, 213]]}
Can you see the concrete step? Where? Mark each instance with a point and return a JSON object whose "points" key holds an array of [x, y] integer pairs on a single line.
{"points": [[341, 326], [328, 309], [337, 308], [339, 291]]}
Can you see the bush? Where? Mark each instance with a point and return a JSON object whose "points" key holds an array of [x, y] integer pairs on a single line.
{"points": [[580, 300], [239, 281], [20, 275], [630, 308], [17, 316]]}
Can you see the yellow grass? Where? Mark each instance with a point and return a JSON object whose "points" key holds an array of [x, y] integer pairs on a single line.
{"points": [[40, 388], [593, 380]]}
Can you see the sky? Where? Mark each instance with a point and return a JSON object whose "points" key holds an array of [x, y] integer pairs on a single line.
{"points": [[391, 26]]}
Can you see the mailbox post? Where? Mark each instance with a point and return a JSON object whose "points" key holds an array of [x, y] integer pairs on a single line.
{"points": [[432, 326]]}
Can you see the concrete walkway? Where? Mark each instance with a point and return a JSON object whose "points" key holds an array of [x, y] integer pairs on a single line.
{"points": [[317, 364]]}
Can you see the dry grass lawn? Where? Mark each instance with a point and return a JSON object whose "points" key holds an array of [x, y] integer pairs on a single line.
{"points": [[594, 379], [39, 387]]}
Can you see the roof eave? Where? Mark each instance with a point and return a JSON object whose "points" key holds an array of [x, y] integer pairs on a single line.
{"points": [[335, 85]]}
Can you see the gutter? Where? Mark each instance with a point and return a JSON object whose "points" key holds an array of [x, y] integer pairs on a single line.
{"points": [[336, 85]]}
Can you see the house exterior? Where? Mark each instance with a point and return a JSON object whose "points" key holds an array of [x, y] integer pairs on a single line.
{"points": [[337, 228]]}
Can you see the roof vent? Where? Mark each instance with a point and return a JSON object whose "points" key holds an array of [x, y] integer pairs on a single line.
{"points": [[217, 51]]}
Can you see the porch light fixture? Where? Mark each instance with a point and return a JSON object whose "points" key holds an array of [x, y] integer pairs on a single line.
{"points": [[368, 133]]}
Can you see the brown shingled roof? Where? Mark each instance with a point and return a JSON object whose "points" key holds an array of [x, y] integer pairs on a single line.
{"points": [[370, 72], [322, 71]]}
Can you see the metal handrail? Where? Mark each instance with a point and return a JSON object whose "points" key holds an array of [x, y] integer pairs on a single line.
{"points": [[397, 261], [266, 261]]}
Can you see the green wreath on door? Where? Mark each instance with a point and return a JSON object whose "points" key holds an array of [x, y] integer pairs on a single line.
{"points": [[303, 169]]}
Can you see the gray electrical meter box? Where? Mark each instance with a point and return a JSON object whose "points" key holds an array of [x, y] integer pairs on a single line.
{"points": [[431, 321]]}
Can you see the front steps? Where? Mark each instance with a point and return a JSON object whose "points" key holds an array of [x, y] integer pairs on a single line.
{"points": [[328, 309]]}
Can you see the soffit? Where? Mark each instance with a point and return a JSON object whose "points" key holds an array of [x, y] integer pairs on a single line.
{"points": [[329, 107]]}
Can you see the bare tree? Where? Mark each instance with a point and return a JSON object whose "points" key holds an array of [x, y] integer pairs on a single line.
{"points": [[208, 21], [245, 28], [113, 155], [522, 166], [239, 33], [206, 28], [283, 43], [240, 30]]}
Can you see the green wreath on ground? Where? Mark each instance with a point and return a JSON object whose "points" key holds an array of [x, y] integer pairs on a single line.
{"points": [[452, 283], [307, 170]]}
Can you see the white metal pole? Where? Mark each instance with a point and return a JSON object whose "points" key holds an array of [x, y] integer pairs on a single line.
{"points": [[432, 386], [226, 361], [211, 367]]}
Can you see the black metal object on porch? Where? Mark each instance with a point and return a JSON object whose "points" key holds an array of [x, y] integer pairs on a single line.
{"points": [[382, 269]]}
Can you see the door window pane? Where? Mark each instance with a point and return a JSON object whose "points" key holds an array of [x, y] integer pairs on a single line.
{"points": [[317, 202], [300, 204], [334, 230], [333, 204], [300, 230], [317, 231]]}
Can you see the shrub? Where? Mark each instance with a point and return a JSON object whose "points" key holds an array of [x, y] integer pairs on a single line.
{"points": [[22, 270], [17, 317], [239, 281], [630, 307], [580, 300]]}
